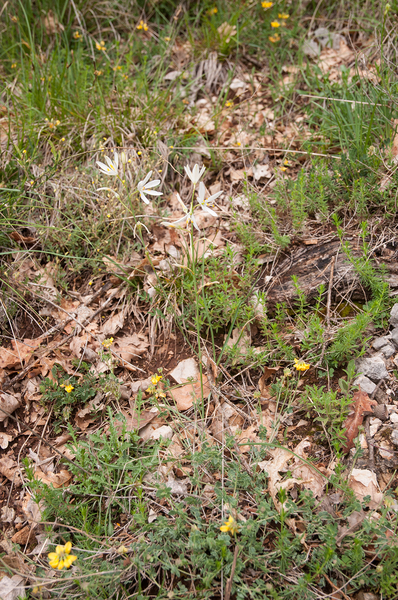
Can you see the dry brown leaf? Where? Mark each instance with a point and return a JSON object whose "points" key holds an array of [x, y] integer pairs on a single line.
{"points": [[186, 395], [248, 435], [114, 324], [18, 237], [5, 439], [57, 480], [131, 346], [24, 536], [12, 588], [364, 483], [8, 468], [361, 405], [21, 352], [9, 403]]}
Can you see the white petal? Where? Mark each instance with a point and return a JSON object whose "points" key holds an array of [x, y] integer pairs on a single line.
{"points": [[181, 202], [188, 172], [108, 160], [153, 183], [194, 222], [201, 193], [144, 198], [102, 166], [152, 192], [214, 196], [208, 210], [147, 178], [116, 161], [175, 222]]}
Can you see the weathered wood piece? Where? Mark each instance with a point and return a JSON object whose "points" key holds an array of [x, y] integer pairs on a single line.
{"points": [[312, 264]]}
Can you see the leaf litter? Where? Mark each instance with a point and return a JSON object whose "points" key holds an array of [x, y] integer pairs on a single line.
{"points": [[290, 467]]}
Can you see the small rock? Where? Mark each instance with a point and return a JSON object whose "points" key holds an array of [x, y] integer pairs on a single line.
{"points": [[391, 408], [380, 411], [373, 367], [394, 316], [165, 432], [311, 48], [394, 437], [374, 425], [394, 418], [385, 450], [394, 335], [378, 343], [365, 384], [388, 350]]}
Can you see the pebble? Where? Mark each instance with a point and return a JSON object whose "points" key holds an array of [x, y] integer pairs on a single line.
{"points": [[394, 335], [374, 425], [373, 367], [394, 418], [380, 342], [388, 350], [394, 437], [394, 316], [365, 384]]}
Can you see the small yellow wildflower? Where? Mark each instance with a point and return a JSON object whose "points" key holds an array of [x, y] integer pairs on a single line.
{"points": [[69, 388], [100, 46], [142, 25], [229, 103], [230, 525], [275, 24], [139, 153], [62, 139], [90, 283], [171, 146], [14, 66], [212, 11], [61, 557], [167, 39], [300, 365], [14, 19], [283, 168], [283, 16], [107, 343], [77, 35], [155, 379], [122, 549], [97, 72], [108, 215], [274, 38], [287, 373], [266, 4], [23, 151]]}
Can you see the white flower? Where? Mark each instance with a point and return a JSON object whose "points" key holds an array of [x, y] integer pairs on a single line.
{"points": [[205, 203], [195, 174], [144, 186], [188, 218], [112, 167]]}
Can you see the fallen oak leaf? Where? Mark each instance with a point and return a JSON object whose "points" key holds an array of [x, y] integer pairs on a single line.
{"points": [[21, 352], [361, 406], [9, 403]]}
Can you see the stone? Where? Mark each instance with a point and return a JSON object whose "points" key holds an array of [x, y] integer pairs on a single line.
{"points": [[365, 384], [373, 367], [374, 424], [394, 316], [379, 342], [394, 335], [394, 418], [388, 350], [394, 437], [165, 432]]}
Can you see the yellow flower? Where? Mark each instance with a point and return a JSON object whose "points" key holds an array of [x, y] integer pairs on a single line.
{"points": [[69, 388], [212, 11], [229, 103], [287, 373], [283, 168], [100, 45], [142, 25], [14, 66], [275, 24], [283, 16], [230, 525], [62, 557], [77, 35], [155, 379], [301, 365], [167, 39], [107, 343], [97, 72], [266, 4]]}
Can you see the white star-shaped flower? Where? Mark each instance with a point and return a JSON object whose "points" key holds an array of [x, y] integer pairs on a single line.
{"points": [[145, 186], [195, 174], [112, 165], [204, 203]]}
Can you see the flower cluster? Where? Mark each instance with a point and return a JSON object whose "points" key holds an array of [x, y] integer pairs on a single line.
{"points": [[230, 526], [107, 343], [300, 365], [154, 389], [61, 557], [68, 388], [145, 188]]}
